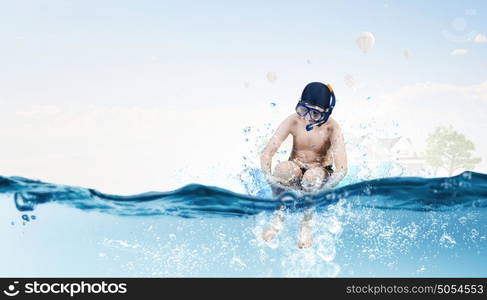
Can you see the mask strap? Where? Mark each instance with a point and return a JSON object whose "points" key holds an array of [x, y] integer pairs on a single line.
{"points": [[330, 108]]}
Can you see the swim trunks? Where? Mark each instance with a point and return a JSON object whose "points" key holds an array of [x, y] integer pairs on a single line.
{"points": [[328, 168]]}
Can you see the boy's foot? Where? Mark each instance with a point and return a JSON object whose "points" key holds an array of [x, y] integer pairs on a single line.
{"points": [[274, 227], [269, 234], [305, 235]]}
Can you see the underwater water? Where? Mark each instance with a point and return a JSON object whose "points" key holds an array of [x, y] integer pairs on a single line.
{"points": [[395, 226]]}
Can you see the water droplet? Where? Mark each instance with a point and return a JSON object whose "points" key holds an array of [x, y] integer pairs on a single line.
{"points": [[447, 241], [335, 227], [246, 129], [326, 247], [287, 198], [367, 191], [25, 218], [238, 263]]}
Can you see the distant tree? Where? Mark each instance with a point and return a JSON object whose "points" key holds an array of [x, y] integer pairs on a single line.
{"points": [[450, 150]]}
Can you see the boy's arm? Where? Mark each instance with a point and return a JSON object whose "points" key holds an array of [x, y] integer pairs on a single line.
{"points": [[271, 148], [339, 158]]}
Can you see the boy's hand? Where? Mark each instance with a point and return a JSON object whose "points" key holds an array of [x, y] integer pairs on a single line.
{"points": [[272, 180]]}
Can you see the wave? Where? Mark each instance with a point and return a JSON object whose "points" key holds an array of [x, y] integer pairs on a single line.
{"points": [[468, 189]]}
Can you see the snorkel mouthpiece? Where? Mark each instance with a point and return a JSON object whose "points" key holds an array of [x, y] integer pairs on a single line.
{"points": [[310, 127]]}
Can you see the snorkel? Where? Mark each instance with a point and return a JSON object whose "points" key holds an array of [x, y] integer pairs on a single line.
{"points": [[321, 95]]}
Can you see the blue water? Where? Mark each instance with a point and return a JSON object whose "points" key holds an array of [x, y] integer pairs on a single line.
{"points": [[396, 226]]}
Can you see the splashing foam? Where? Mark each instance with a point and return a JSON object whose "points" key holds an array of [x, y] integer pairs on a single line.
{"points": [[312, 262]]}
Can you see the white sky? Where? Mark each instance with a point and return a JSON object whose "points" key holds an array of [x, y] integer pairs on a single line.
{"points": [[149, 95]]}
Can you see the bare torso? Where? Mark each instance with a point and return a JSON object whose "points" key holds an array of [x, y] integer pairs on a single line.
{"points": [[320, 147], [311, 148]]}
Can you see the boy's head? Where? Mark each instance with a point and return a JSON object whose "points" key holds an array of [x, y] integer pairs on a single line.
{"points": [[316, 103], [317, 94]]}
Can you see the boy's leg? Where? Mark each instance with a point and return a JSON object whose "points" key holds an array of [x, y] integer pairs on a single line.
{"points": [[313, 180], [275, 225], [306, 230], [289, 175]]}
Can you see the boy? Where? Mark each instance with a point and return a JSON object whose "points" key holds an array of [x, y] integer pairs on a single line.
{"points": [[318, 158]]}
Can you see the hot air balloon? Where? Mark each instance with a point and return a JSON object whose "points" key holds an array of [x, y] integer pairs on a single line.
{"points": [[365, 41], [407, 53], [271, 76]]}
